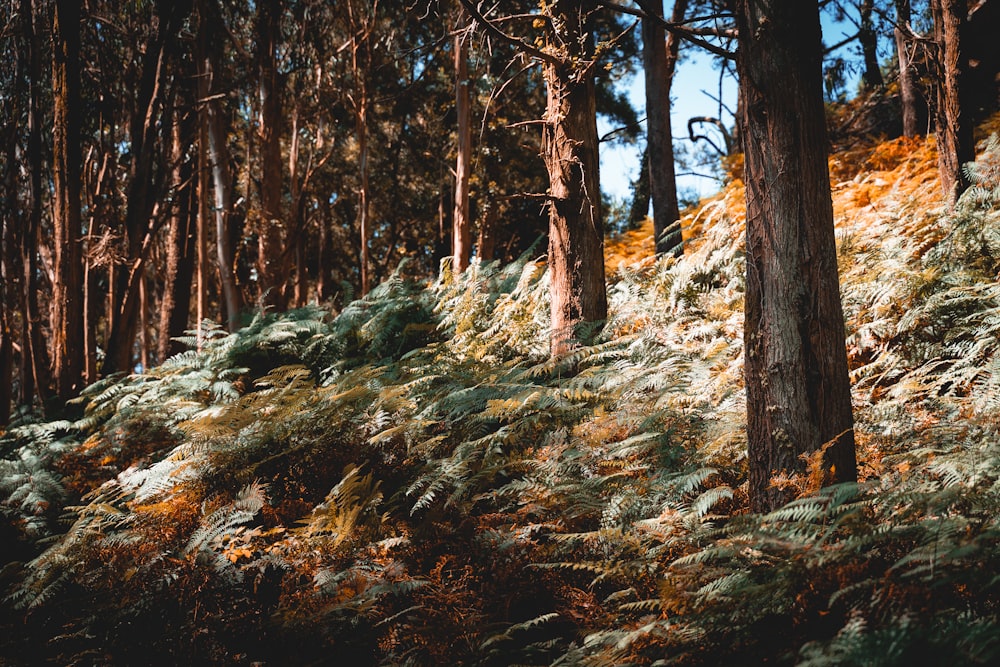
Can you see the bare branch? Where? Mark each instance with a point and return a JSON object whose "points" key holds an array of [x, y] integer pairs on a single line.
{"points": [[492, 29]]}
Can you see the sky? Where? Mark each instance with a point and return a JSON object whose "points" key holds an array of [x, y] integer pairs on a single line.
{"points": [[695, 92]]}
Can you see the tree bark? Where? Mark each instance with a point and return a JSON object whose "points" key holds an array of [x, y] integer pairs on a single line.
{"points": [[798, 391], [462, 230], [360, 64], [570, 150], [659, 57], [218, 164], [35, 378], [67, 288], [909, 97], [144, 179], [179, 271], [272, 269], [952, 118]]}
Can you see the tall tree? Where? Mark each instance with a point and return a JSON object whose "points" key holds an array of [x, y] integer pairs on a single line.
{"points": [[148, 152], [175, 303], [216, 149], [462, 227], [578, 292], [952, 117], [868, 38], [798, 391], [272, 267], [909, 95], [67, 287], [659, 57]]}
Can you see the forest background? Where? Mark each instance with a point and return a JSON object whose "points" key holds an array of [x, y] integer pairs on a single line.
{"points": [[183, 178]]}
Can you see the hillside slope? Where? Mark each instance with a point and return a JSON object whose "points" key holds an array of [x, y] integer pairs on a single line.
{"points": [[413, 481]]}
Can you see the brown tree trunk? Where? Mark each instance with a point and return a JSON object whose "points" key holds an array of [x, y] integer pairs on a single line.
{"points": [[462, 230], [34, 372], [67, 288], [952, 118], [218, 163], [570, 150], [868, 38], [177, 281], [360, 63], [486, 245], [798, 392], [141, 199], [272, 270], [659, 58], [909, 97]]}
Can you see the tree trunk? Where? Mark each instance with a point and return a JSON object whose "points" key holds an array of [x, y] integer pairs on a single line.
{"points": [[570, 151], [641, 196], [659, 58], [34, 372], [462, 231], [909, 96], [868, 38], [177, 281], [360, 64], [486, 245], [218, 163], [67, 288], [798, 391], [952, 118], [144, 178], [272, 270]]}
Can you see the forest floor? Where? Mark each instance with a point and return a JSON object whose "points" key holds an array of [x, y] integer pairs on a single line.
{"points": [[413, 481]]}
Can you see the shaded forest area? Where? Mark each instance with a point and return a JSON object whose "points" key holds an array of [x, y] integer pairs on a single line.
{"points": [[319, 339]]}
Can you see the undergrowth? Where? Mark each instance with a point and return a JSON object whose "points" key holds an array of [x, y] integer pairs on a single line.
{"points": [[414, 481]]}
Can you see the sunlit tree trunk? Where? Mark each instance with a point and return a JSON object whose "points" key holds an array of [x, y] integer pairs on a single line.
{"points": [[67, 289], [952, 118], [272, 267], [659, 58], [798, 392], [462, 230], [570, 151], [909, 96]]}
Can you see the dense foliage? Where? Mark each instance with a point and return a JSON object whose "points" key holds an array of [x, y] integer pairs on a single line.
{"points": [[415, 481]]}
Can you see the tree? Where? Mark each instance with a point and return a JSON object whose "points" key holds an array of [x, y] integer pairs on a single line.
{"points": [[798, 391], [272, 267], [570, 152], [217, 156], [659, 56], [909, 96], [461, 225], [952, 117], [868, 37], [67, 287]]}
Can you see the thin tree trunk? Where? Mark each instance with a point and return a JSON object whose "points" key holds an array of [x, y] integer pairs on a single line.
{"points": [[360, 64], [143, 181], [67, 288], [486, 245], [177, 281], [909, 97], [798, 392], [201, 233], [570, 151], [641, 195], [272, 267], [659, 56], [868, 38], [462, 231], [952, 118], [218, 161]]}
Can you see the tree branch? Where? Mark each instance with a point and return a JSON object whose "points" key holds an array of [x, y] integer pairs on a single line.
{"points": [[500, 34]]}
